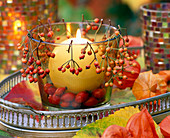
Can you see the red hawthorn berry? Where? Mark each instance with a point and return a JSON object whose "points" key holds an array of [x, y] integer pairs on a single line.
{"points": [[79, 69], [52, 55], [88, 27], [87, 66], [38, 62], [96, 20], [76, 72], [89, 52], [47, 71], [22, 70], [59, 68], [68, 66]]}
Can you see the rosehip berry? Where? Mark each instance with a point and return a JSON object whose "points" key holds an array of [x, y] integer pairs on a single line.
{"points": [[49, 34], [60, 91], [72, 70], [81, 97], [126, 44], [106, 84], [68, 66], [30, 72], [108, 49], [81, 56], [91, 102], [83, 51], [127, 39], [83, 32], [107, 74], [55, 99], [103, 56], [31, 67], [58, 37], [98, 70], [59, 68], [110, 84], [121, 50], [79, 69], [49, 54], [41, 71], [52, 55], [42, 34], [47, 71], [75, 104], [68, 36], [96, 51], [103, 68], [87, 66], [76, 72], [99, 93], [35, 79], [114, 72], [88, 27], [96, 20], [89, 52], [96, 63], [31, 79], [39, 67], [109, 68], [58, 29], [94, 27], [65, 104], [22, 70], [24, 60], [68, 97], [38, 62], [24, 75], [63, 69], [43, 75], [120, 82]]}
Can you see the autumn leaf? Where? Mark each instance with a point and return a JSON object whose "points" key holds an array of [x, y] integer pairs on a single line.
{"points": [[26, 93], [165, 126], [119, 118], [97, 128]]}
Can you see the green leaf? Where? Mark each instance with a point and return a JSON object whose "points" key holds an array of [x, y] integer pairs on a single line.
{"points": [[5, 134]]}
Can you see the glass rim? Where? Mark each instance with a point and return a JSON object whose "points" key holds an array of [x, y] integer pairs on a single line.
{"points": [[143, 7], [91, 43]]}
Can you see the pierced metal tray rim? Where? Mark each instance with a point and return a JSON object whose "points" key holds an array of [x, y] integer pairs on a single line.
{"points": [[73, 111]]}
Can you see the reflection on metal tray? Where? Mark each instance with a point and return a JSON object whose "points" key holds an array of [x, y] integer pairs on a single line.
{"points": [[16, 117]]}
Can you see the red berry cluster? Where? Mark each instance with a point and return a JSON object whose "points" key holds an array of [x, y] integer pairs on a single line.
{"points": [[59, 97]]}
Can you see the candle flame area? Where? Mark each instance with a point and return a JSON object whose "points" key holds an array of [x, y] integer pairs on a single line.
{"points": [[17, 25], [78, 34]]}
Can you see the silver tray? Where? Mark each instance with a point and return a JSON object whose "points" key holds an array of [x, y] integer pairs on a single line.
{"points": [[17, 119]]}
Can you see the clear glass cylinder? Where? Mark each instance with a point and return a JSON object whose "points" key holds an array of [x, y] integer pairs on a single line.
{"points": [[74, 61]]}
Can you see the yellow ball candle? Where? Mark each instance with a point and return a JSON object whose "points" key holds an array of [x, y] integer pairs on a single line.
{"points": [[88, 79]]}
